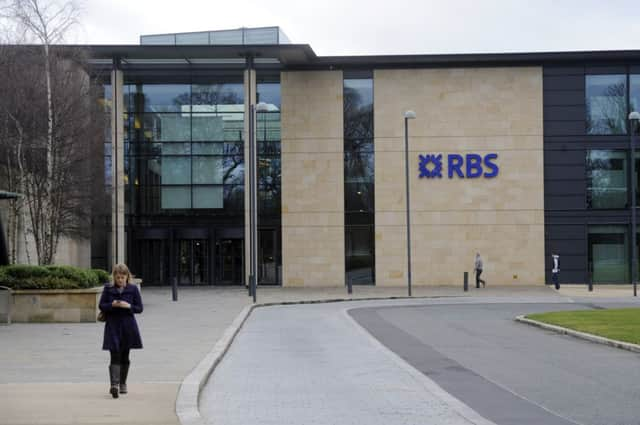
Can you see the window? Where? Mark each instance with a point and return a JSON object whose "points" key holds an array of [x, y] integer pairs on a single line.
{"points": [[634, 92], [606, 179], [606, 102], [609, 254], [359, 260], [269, 147], [359, 179]]}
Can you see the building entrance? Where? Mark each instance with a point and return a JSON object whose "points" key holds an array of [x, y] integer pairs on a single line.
{"points": [[151, 261], [193, 256], [193, 262]]}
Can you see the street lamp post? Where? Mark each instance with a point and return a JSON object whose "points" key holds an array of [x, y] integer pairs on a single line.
{"points": [[408, 115], [250, 172], [634, 120]]}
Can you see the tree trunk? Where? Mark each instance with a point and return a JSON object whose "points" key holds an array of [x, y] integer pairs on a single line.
{"points": [[20, 204], [48, 235]]}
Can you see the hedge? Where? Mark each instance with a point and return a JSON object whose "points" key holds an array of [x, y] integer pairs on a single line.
{"points": [[20, 276]]}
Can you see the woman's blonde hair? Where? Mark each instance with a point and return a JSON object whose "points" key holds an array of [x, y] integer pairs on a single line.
{"points": [[121, 268]]}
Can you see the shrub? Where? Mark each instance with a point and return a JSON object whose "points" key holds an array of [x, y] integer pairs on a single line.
{"points": [[20, 276], [103, 276]]}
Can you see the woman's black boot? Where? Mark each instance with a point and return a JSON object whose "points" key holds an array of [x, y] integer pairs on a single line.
{"points": [[124, 371], [114, 376]]}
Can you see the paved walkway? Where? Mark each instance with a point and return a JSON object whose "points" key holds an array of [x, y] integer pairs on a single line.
{"points": [[57, 374]]}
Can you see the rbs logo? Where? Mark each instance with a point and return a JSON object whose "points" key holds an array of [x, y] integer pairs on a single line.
{"points": [[470, 166]]}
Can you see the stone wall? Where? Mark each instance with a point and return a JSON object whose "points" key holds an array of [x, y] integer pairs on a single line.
{"points": [[312, 179], [475, 110], [55, 305]]}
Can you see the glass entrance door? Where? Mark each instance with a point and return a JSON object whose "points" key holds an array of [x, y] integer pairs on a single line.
{"points": [[229, 262], [193, 256], [268, 266], [151, 261]]}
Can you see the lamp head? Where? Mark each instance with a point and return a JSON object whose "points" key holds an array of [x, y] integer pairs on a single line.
{"points": [[634, 116], [409, 115]]}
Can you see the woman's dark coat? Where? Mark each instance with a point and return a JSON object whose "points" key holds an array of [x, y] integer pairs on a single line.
{"points": [[121, 329]]}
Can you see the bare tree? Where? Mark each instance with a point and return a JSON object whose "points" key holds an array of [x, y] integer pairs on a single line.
{"points": [[17, 85], [50, 157]]}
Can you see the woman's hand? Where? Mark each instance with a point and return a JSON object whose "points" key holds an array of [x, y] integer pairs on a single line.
{"points": [[121, 304]]}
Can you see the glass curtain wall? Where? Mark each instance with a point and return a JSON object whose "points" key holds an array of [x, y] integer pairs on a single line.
{"points": [[184, 148], [359, 181], [269, 183], [609, 99]]}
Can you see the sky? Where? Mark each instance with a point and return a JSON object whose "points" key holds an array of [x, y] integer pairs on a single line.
{"points": [[359, 27]]}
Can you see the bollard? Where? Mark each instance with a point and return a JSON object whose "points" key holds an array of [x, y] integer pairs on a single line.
{"points": [[349, 286], [466, 281], [250, 286], [174, 289], [254, 283], [590, 285]]}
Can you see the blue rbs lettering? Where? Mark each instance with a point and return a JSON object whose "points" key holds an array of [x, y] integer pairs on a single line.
{"points": [[472, 166], [490, 165]]}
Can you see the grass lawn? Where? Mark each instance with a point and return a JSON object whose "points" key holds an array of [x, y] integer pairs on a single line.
{"points": [[619, 324]]}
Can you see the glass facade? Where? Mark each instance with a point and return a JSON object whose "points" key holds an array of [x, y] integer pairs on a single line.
{"points": [[606, 104], [607, 173], [359, 179], [184, 143], [184, 176]]}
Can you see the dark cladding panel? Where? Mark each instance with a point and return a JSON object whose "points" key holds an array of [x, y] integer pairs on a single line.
{"points": [[564, 113], [562, 157], [563, 128], [564, 202], [563, 187], [574, 232], [563, 97], [563, 82], [565, 172], [562, 70], [573, 247]]}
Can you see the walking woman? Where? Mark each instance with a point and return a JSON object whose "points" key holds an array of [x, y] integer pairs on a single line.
{"points": [[119, 302]]}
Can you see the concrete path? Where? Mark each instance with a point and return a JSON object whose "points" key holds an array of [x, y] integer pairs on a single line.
{"points": [[56, 373]]}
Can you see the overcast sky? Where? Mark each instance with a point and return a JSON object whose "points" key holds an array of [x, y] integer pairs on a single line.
{"points": [[361, 27]]}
